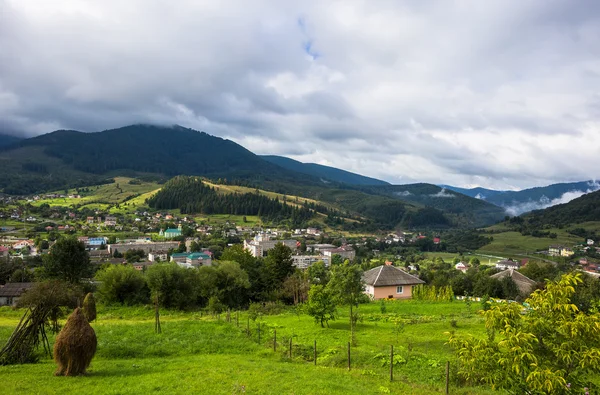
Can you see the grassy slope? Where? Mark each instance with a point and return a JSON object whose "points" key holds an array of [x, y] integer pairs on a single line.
{"points": [[507, 243], [195, 354]]}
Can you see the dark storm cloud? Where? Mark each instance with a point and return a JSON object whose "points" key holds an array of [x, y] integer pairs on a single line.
{"points": [[495, 93]]}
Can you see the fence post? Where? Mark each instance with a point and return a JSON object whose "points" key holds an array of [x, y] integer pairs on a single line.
{"points": [[290, 347], [392, 363], [237, 319], [315, 353], [348, 355], [248, 327], [447, 377], [259, 333], [274, 340]]}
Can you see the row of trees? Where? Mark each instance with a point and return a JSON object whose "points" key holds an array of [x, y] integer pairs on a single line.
{"points": [[191, 195]]}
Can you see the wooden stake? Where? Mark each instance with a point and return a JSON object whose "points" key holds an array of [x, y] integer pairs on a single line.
{"points": [[274, 340], [391, 363], [259, 333], [447, 377], [290, 347], [348, 355], [315, 353]]}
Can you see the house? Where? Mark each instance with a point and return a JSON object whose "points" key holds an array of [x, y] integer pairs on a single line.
{"points": [[437, 240], [24, 244], [261, 244], [590, 242], [197, 259], [90, 220], [170, 233], [461, 266], [110, 221], [142, 265], [566, 251], [554, 250], [11, 292], [387, 281], [158, 256], [525, 284], [3, 251], [345, 251], [305, 261], [508, 264]]}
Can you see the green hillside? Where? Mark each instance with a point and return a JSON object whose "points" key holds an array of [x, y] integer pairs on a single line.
{"points": [[463, 210], [68, 159], [323, 172], [583, 209]]}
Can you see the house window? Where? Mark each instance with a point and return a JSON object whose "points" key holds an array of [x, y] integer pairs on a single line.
{"points": [[399, 289]]}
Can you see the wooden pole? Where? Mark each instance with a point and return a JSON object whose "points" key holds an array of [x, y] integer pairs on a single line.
{"points": [[348, 355], [391, 363], [258, 329], [290, 347], [447, 377], [274, 340], [237, 319], [157, 328], [248, 327], [315, 352]]}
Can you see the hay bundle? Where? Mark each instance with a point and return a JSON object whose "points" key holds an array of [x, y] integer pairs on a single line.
{"points": [[89, 307], [75, 346]]}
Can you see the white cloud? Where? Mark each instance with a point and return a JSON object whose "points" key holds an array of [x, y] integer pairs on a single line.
{"points": [[498, 94], [443, 194], [544, 202]]}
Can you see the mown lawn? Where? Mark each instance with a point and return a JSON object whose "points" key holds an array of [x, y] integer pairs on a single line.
{"points": [[200, 354]]}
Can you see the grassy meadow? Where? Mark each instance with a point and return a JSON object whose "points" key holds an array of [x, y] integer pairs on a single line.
{"points": [[203, 354]]}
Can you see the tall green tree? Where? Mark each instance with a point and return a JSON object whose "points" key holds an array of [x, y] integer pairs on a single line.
{"points": [[122, 284], [347, 286], [278, 266], [321, 304], [551, 349], [68, 260]]}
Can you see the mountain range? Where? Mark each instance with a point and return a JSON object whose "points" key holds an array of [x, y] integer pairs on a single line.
{"points": [[68, 158], [526, 200]]}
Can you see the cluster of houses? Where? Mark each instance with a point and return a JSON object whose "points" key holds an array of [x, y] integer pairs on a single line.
{"points": [[408, 237]]}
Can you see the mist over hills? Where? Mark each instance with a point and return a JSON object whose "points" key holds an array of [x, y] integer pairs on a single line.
{"points": [[526, 200]]}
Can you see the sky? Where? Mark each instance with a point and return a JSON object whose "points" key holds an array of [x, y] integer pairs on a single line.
{"points": [[502, 94]]}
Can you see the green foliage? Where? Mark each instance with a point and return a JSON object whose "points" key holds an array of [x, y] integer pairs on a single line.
{"points": [[68, 260], [191, 195], [432, 293], [175, 286], [552, 348], [321, 305], [122, 284], [278, 265]]}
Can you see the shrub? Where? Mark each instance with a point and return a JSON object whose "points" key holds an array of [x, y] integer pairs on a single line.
{"points": [[89, 307]]}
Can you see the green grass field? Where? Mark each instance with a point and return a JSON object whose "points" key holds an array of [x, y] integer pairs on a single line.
{"points": [[197, 354], [513, 243]]}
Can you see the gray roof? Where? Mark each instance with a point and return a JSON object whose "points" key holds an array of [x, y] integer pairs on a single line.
{"points": [[524, 283], [15, 289], [387, 275]]}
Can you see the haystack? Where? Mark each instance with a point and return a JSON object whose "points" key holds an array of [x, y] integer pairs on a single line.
{"points": [[89, 307], [75, 346]]}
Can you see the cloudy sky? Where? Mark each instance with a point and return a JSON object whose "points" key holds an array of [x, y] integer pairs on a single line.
{"points": [[502, 94]]}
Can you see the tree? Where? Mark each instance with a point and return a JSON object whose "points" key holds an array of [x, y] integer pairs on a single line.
{"points": [[321, 304], [123, 285], [173, 285], [68, 260], [347, 286], [278, 265], [318, 273], [552, 348]]}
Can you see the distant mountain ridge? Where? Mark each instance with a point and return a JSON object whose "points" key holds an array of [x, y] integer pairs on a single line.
{"points": [[6, 140], [68, 159], [326, 173], [526, 200]]}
